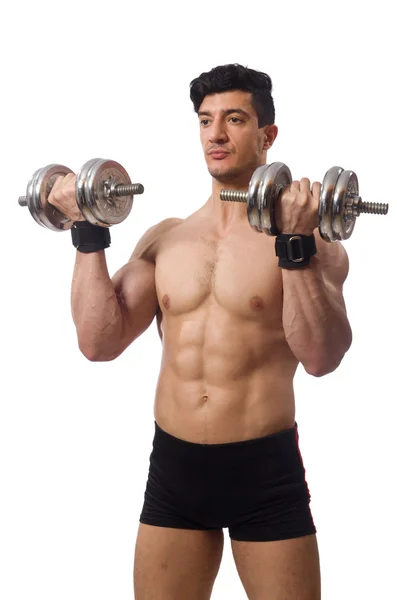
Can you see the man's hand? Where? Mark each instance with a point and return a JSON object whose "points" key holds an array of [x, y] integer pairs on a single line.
{"points": [[63, 197], [297, 208]]}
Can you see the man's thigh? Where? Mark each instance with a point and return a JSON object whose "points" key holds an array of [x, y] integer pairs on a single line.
{"points": [[279, 570], [176, 564]]}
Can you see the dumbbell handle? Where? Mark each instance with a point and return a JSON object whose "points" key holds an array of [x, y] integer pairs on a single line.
{"points": [[357, 206], [118, 191]]}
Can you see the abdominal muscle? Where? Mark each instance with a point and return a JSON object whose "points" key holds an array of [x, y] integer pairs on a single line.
{"points": [[222, 378]]}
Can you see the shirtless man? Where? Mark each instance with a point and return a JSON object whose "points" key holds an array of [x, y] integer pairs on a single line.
{"points": [[234, 324]]}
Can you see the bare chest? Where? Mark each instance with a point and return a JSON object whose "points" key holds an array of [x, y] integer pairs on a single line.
{"points": [[238, 272]]}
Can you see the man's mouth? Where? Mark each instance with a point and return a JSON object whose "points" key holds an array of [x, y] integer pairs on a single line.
{"points": [[218, 154]]}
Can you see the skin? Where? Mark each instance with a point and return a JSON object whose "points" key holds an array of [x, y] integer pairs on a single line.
{"points": [[234, 327]]}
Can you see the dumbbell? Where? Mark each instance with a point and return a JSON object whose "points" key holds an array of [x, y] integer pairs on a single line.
{"points": [[104, 194], [340, 202]]}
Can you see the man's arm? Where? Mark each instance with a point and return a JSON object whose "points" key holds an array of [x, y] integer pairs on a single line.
{"points": [[314, 313], [110, 313]]}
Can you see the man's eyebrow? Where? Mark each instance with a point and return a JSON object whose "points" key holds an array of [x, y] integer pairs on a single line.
{"points": [[229, 111]]}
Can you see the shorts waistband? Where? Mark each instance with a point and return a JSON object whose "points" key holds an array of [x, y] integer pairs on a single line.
{"points": [[274, 439]]}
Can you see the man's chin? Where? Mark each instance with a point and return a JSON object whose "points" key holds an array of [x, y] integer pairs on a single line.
{"points": [[224, 175]]}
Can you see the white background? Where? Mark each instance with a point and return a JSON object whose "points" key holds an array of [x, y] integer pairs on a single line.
{"points": [[86, 79]]}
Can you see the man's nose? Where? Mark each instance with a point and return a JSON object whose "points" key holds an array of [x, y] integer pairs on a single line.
{"points": [[217, 132]]}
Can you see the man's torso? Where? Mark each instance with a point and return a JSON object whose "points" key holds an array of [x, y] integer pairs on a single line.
{"points": [[226, 371]]}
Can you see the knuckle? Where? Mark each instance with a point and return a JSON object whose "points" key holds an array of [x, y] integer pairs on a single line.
{"points": [[70, 180], [53, 198], [303, 199], [67, 194]]}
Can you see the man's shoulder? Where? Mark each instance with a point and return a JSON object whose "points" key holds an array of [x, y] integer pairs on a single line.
{"points": [[147, 246], [168, 224], [160, 229]]}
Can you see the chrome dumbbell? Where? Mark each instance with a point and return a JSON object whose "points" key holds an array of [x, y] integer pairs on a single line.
{"points": [[104, 194], [340, 202]]}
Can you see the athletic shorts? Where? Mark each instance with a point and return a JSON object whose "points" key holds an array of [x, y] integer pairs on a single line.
{"points": [[255, 488]]}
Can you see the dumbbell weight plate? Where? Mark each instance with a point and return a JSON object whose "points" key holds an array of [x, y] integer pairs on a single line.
{"points": [[325, 217], [343, 221], [252, 199], [265, 187], [81, 190], [37, 192], [92, 198]]}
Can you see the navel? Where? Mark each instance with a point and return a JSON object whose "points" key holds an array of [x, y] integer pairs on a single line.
{"points": [[257, 304], [166, 301]]}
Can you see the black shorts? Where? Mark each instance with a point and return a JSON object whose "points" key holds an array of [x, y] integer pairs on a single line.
{"points": [[255, 488]]}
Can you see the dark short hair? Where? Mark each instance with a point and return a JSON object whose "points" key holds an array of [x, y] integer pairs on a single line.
{"points": [[236, 77]]}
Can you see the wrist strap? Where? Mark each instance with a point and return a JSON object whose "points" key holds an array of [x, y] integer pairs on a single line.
{"points": [[89, 238], [295, 251]]}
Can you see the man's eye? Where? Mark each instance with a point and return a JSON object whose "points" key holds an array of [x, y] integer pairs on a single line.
{"points": [[204, 121], [236, 120]]}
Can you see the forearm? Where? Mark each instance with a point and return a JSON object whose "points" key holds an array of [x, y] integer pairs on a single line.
{"points": [[95, 308], [315, 324]]}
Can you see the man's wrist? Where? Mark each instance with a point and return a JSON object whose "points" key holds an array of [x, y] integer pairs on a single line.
{"points": [[295, 250], [89, 238]]}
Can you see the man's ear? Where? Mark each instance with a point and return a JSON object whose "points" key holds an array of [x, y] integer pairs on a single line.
{"points": [[271, 132]]}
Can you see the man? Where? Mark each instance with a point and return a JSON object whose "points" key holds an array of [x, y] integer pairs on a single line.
{"points": [[235, 321]]}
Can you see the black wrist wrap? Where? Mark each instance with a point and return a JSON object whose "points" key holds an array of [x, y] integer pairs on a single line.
{"points": [[294, 251], [89, 238]]}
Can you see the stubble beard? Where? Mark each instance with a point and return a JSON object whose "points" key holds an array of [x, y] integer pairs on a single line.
{"points": [[226, 176]]}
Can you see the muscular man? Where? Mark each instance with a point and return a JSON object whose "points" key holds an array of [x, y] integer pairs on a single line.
{"points": [[234, 324]]}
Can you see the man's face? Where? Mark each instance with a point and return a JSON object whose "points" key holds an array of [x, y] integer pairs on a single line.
{"points": [[232, 143]]}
